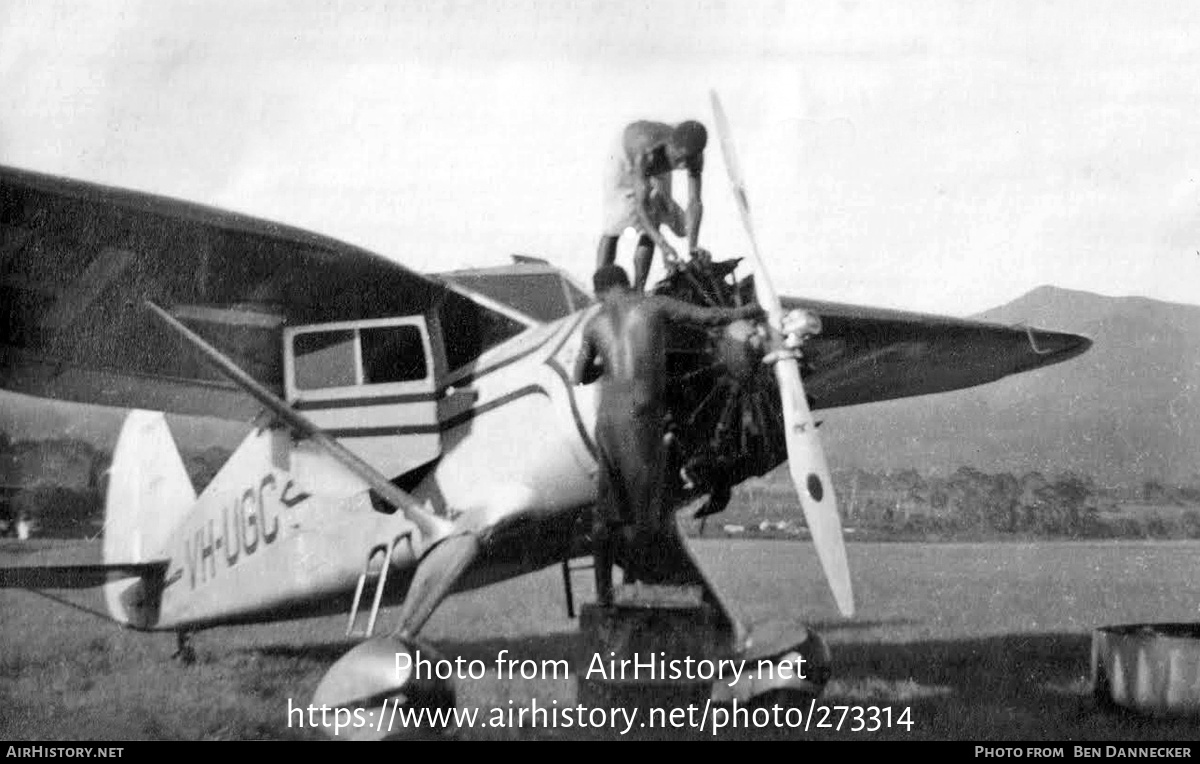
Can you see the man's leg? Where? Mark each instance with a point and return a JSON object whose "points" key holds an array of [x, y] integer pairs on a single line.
{"points": [[643, 256], [642, 467], [602, 560], [606, 252], [632, 552], [663, 552], [609, 512]]}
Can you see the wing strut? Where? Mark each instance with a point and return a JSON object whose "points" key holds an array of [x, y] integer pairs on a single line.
{"points": [[431, 526]]}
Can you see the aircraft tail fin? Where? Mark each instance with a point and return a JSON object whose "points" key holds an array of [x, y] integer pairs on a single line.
{"points": [[149, 492]]}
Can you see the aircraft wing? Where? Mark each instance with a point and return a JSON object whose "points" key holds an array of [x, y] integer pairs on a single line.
{"points": [[871, 354], [78, 261]]}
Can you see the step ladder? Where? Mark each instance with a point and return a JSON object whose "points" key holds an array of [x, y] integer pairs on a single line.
{"points": [[567, 570], [379, 561]]}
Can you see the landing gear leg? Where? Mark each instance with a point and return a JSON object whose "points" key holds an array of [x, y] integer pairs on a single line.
{"points": [[184, 650]]}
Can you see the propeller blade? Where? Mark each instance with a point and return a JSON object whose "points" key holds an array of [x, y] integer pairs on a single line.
{"points": [[806, 458]]}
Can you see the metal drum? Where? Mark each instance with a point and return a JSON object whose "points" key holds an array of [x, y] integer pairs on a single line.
{"points": [[1149, 668]]}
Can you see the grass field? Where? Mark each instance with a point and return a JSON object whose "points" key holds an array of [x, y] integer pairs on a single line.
{"points": [[980, 641]]}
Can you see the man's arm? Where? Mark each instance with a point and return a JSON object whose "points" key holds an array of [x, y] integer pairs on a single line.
{"points": [[586, 369], [678, 310], [641, 193]]}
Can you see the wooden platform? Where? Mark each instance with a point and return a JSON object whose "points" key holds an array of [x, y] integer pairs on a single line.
{"points": [[646, 623], [650, 596]]}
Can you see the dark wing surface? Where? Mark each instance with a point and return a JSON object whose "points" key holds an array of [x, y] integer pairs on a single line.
{"points": [[78, 261], [871, 354]]}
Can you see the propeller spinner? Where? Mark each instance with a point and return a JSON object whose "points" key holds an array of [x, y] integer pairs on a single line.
{"points": [[806, 458]]}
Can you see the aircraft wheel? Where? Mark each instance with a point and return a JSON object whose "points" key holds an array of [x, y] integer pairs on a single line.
{"points": [[184, 652], [788, 676], [385, 689]]}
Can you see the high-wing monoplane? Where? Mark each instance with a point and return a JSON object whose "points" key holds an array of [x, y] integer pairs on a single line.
{"points": [[413, 435]]}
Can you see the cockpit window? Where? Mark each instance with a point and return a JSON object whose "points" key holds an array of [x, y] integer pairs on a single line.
{"points": [[541, 296], [469, 328]]}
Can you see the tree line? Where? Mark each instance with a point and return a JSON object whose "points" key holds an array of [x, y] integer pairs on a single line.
{"points": [[971, 503], [60, 485]]}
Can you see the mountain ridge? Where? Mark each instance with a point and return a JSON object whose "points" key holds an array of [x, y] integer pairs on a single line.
{"points": [[1126, 411]]}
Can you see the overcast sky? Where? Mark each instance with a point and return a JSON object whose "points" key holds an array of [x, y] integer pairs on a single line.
{"points": [[935, 156]]}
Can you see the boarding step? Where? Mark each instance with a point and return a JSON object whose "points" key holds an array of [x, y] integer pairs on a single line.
{"points": [[376, 570], [653, 596], [568, 589], [640, 626]]}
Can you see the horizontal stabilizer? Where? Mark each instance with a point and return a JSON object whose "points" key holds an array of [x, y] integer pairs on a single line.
{"points": [[78, 576]]}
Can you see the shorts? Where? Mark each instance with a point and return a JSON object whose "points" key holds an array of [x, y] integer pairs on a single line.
{"points": [[620, 212]]}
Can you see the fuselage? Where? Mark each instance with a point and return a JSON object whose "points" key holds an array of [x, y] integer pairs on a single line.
{"points": [[283, 530]]}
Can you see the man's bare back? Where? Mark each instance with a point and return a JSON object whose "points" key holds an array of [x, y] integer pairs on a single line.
{"points": [[624, 346], [629, 336]]}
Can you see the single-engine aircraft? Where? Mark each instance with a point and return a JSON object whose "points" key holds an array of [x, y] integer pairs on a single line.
{"points": [[414, 435]]}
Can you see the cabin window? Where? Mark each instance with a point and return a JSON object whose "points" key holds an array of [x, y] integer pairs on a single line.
{"points": [[392, 354], [352, 357], [325, 359]]}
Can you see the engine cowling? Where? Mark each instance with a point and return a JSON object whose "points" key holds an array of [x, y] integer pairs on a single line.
{"points": [[724, 409]]}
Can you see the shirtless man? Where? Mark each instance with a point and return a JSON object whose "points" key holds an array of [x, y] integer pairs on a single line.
{"points": [[624, 346], [638, 192]]}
